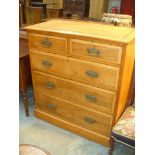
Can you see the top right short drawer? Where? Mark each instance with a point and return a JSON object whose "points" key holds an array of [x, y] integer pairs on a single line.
{"points": [[96, 51]]}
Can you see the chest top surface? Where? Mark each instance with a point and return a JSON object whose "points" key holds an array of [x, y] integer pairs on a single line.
{"points": [[85, 28]]}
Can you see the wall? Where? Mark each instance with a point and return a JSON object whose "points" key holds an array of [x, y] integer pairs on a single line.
{"points": [[114, 3]]}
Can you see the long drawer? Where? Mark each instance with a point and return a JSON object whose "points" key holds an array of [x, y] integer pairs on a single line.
{"points": [[74, 92], [96, 122], [89, 72], [47, 43], [96, 51]]}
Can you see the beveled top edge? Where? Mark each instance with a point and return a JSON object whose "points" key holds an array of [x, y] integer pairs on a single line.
{"points": [[85, 28]]}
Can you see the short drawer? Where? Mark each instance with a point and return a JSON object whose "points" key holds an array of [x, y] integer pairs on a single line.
{"points": [[92, 73], [93, 121], [47, 43], [77, 93], [96, 51]]}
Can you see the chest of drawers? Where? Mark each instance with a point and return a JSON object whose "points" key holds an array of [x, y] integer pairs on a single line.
{"points": [[81, 74]]}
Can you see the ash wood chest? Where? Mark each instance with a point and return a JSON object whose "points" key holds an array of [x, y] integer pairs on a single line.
{"points": [[81, 74]]}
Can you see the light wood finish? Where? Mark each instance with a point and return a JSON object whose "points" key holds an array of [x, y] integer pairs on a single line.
{"points": [[77, 93], [88, 119], [47, 43], [100, 75], [127, 68], [72, 127], [131, 94], [104, 52], [90, 92], [95, 31]]}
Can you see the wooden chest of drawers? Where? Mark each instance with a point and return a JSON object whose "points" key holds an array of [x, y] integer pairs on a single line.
{"points": [[81, 74]]}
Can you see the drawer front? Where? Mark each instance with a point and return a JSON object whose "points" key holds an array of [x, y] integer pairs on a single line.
{"points": [[47, 43], [89, 72], [80, 94], [93, 121], [97, 122], [96, 51], [53, 106]]}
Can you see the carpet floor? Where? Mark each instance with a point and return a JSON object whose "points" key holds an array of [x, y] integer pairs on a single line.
{"points": [[55, 140]]}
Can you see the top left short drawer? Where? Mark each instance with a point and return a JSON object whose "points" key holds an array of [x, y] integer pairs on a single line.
{"points": [[47, 43]]}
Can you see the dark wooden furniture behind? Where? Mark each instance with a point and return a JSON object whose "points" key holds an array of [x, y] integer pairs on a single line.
{"points": [[76, 7], [21, 12], [33, 15], [42, 5], [54, 13], [24, 69], [35, 12]]}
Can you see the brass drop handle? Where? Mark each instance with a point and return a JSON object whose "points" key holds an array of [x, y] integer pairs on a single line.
{"points": [[46, 43], [46, 63], [51, 106], [91, 74], [93, 52], [89, 120], [90, 98], [49, 85]]}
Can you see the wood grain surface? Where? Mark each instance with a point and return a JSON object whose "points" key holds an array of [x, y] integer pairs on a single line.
{"points": [[81, 82]]}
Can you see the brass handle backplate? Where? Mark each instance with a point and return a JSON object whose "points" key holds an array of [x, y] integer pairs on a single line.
{"points": [[46, 63], [51, 106], [93, 52], [49, 85], [89, 120], [91, 74], [46, 43], [90, 98]]}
